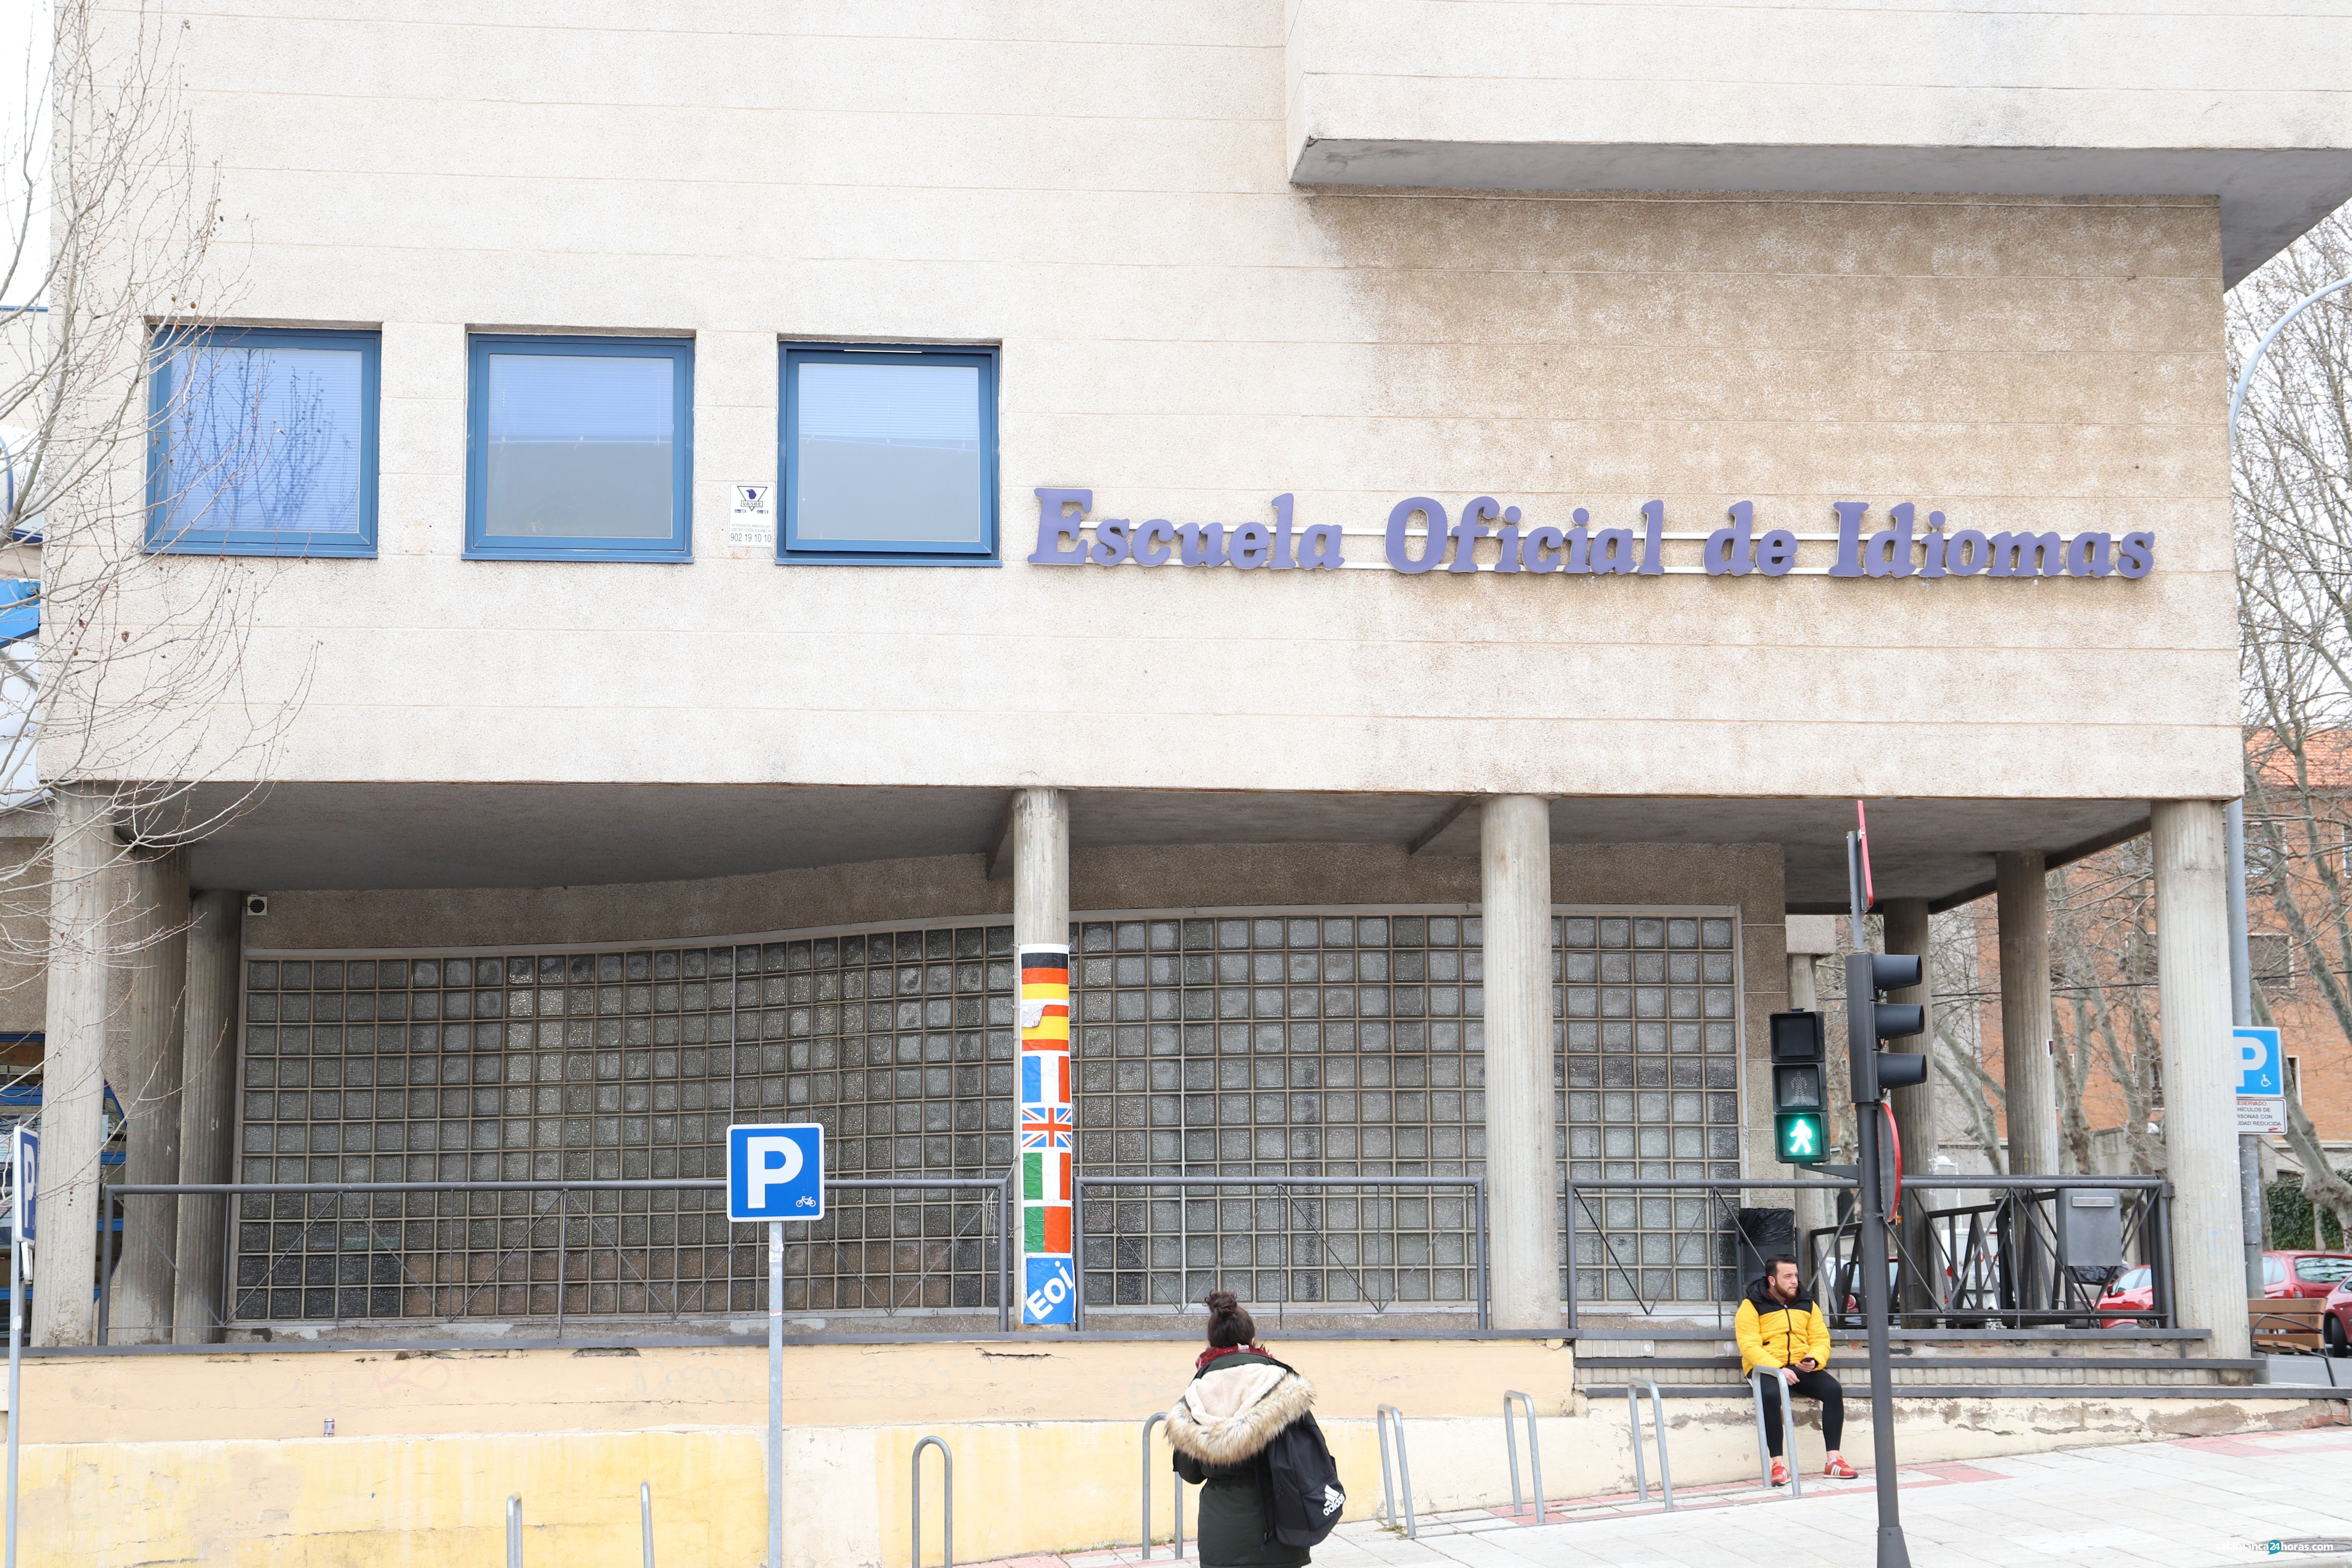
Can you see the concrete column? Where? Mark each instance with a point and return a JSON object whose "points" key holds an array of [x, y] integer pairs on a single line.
{"points": [[2028, 1078], [207, 1113], [2200, 1113], [1915, 1108], [1041, 866], [146, 1079], [1041, 915], [83, 855], [1523, 1221]]}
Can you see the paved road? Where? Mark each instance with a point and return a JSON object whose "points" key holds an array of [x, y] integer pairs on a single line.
{"points": [[2190, 1503]]}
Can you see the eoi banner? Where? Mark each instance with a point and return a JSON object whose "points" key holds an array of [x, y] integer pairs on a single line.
{"points": [[1049, 1285]]}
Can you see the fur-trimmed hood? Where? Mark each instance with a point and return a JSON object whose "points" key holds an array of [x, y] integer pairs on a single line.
{"points": [[1236, 1408]]}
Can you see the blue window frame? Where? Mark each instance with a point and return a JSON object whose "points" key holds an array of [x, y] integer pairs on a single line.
{"points": [[579, 449], [888, 455], [262, 441]]}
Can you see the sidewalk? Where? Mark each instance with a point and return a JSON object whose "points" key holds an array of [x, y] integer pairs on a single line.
{"points": [[2183, 1504]]}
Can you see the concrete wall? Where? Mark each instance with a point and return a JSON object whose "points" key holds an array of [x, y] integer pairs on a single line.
{"points": [[1835, 76], [224, 1457], [1189, 334]]}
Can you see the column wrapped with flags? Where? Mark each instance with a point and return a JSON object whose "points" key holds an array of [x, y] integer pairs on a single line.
{"points": [[1047, 1138]]}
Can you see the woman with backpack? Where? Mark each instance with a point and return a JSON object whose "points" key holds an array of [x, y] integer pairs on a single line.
{"points": [[1243, 1435]]}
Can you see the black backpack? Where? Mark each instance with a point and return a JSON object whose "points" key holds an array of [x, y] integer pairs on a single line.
{"points": [[1298, 1486]]}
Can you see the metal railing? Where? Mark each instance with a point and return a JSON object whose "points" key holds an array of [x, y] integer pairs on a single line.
{"points": [[1788, 1403], [914, 1502], [1384, 1416], [559, 1251], [1535, 1453], [1676, 1246], [1340, 1242], [1657, 1242], [1177, 1551], [1634, 1387], [2002, 1262]]}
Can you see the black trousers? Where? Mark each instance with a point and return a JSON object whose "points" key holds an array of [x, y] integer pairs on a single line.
{"points": [[1818, 1385]]}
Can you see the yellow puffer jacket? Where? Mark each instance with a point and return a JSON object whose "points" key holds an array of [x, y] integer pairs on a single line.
{"points": [[1774, 1333]]}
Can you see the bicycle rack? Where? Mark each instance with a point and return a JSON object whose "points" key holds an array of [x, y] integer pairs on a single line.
{"points": [[646, 1512], [1634, 1387], [1381, 1417], [1178, 1550], [514, 1531], [915, 1488], [1535, 1453], [1788, 1432]]}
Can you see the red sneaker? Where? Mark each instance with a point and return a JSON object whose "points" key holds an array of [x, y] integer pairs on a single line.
{"points": [[1838, 1469], [1779, 1472]]}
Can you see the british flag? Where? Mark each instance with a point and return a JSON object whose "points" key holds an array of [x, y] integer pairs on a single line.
{"points": [[1044, 1127]]}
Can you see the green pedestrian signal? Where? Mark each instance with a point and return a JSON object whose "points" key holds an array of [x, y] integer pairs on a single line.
{"points": [[1799, 1137], [1799, 1103]]}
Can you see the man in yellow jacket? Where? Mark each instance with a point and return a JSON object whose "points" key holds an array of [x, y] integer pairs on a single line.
{"points": [[1782, 1327]]}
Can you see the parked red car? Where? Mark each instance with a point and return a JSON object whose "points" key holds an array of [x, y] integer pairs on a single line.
{"points": [[2283, 1273], [2304, 1273], [2336, 1328], [2130, 1291]]}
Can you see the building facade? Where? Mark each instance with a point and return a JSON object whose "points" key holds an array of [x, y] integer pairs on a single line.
{"points": [[1396, 533]]}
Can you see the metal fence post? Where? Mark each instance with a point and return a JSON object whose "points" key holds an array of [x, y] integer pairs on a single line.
{"points": [[1381, 1420], [1005, 1256], [645, 1515], [2159, 1255], [514, 1531], [1078, 1254], [1568, 1224], [947, 1484], [1483, 1317], [106, 1203], [1535, 1452]]}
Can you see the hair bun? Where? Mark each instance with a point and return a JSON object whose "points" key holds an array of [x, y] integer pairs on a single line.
{"points": [[1222, 1303]]}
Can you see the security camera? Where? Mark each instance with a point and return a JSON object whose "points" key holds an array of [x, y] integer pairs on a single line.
{"points": [[256, 904]]}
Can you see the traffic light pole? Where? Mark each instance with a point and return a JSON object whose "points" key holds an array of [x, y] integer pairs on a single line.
{"points": [[1862, 1058], [1891, 1551]]}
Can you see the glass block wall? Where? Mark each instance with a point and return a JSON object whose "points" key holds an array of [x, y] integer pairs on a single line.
{"points": [[1333, 1045], [1329, 1044], [1649, 1075], [1345, 1045], [630, 1065]]}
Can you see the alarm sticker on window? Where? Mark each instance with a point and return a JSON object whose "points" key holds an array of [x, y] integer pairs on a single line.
{"points": [[752, 515]]}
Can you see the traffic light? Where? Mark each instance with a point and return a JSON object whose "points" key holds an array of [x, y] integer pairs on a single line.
{"points": [[1800, 1090], [1869, 1021]]}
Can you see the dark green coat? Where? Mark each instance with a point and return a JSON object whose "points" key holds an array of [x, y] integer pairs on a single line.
{"points": [[1232, 1409]]}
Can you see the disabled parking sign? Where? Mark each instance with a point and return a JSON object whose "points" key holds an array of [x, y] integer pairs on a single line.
{"points": [[2259, 1074], [775, 1172]]}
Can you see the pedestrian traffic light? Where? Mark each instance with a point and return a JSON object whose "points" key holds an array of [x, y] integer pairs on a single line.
{"points": [[1870, 1020], [1800, 1090]]}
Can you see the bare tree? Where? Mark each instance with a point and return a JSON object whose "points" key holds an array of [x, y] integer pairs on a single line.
{"points": [[1956, 1048], [124, 428], [2104, 1016], [2293, 499]]}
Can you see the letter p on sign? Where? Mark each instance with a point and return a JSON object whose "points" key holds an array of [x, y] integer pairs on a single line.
{"points": [[775, 1172], [2259, 1075]]}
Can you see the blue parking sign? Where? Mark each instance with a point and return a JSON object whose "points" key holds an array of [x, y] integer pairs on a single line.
{"points": [[2259, 1074], [775, 1172], [25, 1177]]}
